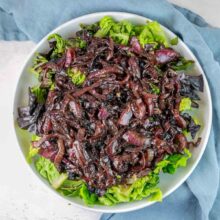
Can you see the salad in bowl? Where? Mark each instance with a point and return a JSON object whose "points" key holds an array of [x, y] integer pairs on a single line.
{"points": [[115, 106]]}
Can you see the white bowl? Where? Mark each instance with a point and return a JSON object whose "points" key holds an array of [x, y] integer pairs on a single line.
{"points": [[168, 183]]}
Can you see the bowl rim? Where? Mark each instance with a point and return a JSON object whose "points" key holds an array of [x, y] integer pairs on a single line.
{"points": [[209, 118]]}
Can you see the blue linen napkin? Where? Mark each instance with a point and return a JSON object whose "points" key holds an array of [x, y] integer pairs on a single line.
{"points": [[199, 197]]}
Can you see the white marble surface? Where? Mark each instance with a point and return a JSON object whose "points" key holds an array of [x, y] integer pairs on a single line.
{"points": [[21, 195]]}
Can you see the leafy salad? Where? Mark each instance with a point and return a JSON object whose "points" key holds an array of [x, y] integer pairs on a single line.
{"points": [[112, 110]]}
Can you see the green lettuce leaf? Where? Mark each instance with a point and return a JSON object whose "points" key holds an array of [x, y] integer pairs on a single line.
{"points": [[182, 64], [76, 76], [137, 29], [140, 188], [71, 188], [144, 187], [155, 195], [152, 33], [59, 181], [121, 38], [185, 104], [52, 87], [137, 189], [105, 24], [76, 42], [175, 161], [155, 89], [172, 162], [38, 61], [123, 27], [60, 44], [196, 120], [158, 33], [146, 37], [33, 151], [186, 134], [121, 32], [47, 170], [40, 93], [91, 28], [174, 41], [88, 198]]}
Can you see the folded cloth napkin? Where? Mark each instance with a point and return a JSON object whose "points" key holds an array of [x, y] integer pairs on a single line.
{"points": [[199, 197]]}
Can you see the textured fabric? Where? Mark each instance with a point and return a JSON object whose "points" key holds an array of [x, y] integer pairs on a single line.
{"points": [[199, 197]]}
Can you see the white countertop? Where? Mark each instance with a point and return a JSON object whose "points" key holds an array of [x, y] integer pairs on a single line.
{"points": [[208, 9], [21, 195]]}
